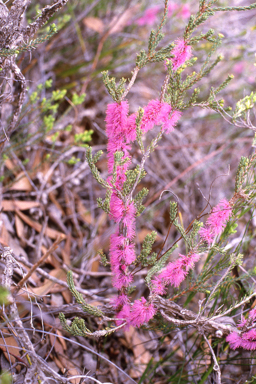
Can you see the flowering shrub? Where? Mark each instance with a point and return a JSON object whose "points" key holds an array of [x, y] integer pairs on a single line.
{"points": [[123, 201]]}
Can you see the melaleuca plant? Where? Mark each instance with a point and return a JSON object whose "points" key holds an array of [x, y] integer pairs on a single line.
{"points": [[209, 234]]}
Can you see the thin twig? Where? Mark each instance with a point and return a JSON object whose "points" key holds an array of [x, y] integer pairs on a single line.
{"points": [[216, 366], [39, 262]]}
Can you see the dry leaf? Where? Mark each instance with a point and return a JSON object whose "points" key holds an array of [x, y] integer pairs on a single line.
{"points": [[50, 259], [21, 183], [52, 233], [19, 227], [94, 23], [49, 285], [12, 347], [84, 213], [4, 235], [11, 205], [142, 356], [11, 166], [65, 252]]}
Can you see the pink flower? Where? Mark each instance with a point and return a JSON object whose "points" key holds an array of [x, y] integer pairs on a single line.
{"points": [[122, 253], [216, 222], [239, 67], [174, 273], [150, 116], [158, 286], [121, 130], [117, 208], [246, 340], [120, 301], [182, 52], [234, 340], [249, 340], [157, 113], [185, 11], [116, 118], [169, 124], [206, 234], [119, 211], [172, 7], [125, 314], [242, 322], [121, 278], [252, 314], [142, 312], [188, 262], [149, 17], [131, 128]]}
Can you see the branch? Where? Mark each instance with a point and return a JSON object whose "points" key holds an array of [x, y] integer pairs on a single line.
{"points": [[47, 12]]}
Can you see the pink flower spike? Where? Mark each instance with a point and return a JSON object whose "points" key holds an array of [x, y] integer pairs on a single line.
{"points": [[142, 312], [216, 221], [157, 113], [116, 118], [158, 286], [169, 124], [117, 208], [120, 301], [189, 261], [206, 234], [149, 17], [121, 279], [151, 112], [185, 11], [252, 314], [182, 52], [125, 314], [131, 128], [172, 7], [234, 340], [249, 340]]}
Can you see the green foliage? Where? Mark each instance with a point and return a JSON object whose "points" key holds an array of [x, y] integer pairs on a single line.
{"points": [[159, 264], [138, 201], [4, 52], [173, 211], [244, 105], [144, 257], [83, 137], [4, 294], [5, 378], [103, 258], [77, 100], [105, 205], [94, 311], [241, 173], [73, 160], [77, 327], [131, 177], [139, 132], [115, 91], [94, 169]]}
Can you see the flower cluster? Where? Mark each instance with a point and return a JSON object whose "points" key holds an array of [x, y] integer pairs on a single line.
{"points": [[181, 52], [138, 313], [151, 14], [174, 273], [121, 132], [246, 338], [159, 113], [216, 222]]}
